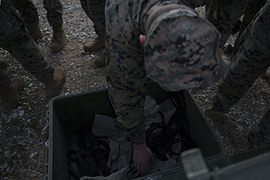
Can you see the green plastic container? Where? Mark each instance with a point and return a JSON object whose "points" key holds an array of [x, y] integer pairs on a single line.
{"points": [[256, 168], [249, 166], [70, 113]]}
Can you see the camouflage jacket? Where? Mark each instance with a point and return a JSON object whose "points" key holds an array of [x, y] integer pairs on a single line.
{"points": [[126, 74]]}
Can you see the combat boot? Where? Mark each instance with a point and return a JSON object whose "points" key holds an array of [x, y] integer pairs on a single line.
{"points": [[260, 136], [100, 60], [54, 85], [217, 114], [10, 96], [59, 40], [35, 32], [97, 45]]}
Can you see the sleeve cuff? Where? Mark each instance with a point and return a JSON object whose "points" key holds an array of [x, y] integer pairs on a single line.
{"points": [[137, 134]]}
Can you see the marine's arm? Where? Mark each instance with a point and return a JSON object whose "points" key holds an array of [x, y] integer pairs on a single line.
{"points": [[127, 80]]}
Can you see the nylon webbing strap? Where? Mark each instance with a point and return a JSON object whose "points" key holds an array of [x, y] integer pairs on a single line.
{"points": [[194, 165]]}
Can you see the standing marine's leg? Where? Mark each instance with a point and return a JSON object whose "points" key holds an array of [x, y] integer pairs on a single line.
{"points": [[95, 11], [29, 14], [224, 14], [54, 15], [4, 82], [251, 60], [9, 91], [259, 136], [54, 12], [15, 39], [253, 7]]}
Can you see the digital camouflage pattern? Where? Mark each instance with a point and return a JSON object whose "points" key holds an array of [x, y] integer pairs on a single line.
{"points": [[94, 9], [225, 13], [17, 41], [251, 60], [125, 21], [253, 7], [180, 53], [30, 15]]}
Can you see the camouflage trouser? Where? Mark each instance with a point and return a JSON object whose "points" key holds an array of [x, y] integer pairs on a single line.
{"points": [[251, 10], [253, 7], [4, 81], [17, 41], [95, 11], [251, 60], [224, 15], [30, 15]]}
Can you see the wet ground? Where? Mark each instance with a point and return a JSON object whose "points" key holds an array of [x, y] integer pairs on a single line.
{"points": [[23, 130]]}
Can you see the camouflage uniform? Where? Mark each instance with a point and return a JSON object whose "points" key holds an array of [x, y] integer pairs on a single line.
{"points": [[131, 63], [225, 13], [95, 11], [4, 80], [17, 41], [251, 60], [253, 7], [30, 15]]}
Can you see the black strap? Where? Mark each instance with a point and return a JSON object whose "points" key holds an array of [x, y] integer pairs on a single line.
{"points": [[100, 152]]}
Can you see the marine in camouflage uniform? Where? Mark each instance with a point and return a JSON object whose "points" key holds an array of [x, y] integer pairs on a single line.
{"points": [[225, 13], [251, 60], [54, 9], [17, 41], [95, 11], [179, 53]]}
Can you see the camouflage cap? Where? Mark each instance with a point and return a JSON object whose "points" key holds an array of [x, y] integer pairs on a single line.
{"points": [[180, 49]]}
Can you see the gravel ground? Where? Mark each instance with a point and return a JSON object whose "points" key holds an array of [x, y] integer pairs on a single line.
{"points": [[245, 115], [22, 131]]}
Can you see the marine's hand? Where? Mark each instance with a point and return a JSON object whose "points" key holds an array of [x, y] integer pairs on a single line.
{"points": [[142, 39], [142, 157]]}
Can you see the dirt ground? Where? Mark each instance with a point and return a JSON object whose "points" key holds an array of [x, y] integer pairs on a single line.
{"points": [[23, 130]]}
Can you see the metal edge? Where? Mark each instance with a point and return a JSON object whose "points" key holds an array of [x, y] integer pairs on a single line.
{"points": [[211, 126]]}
